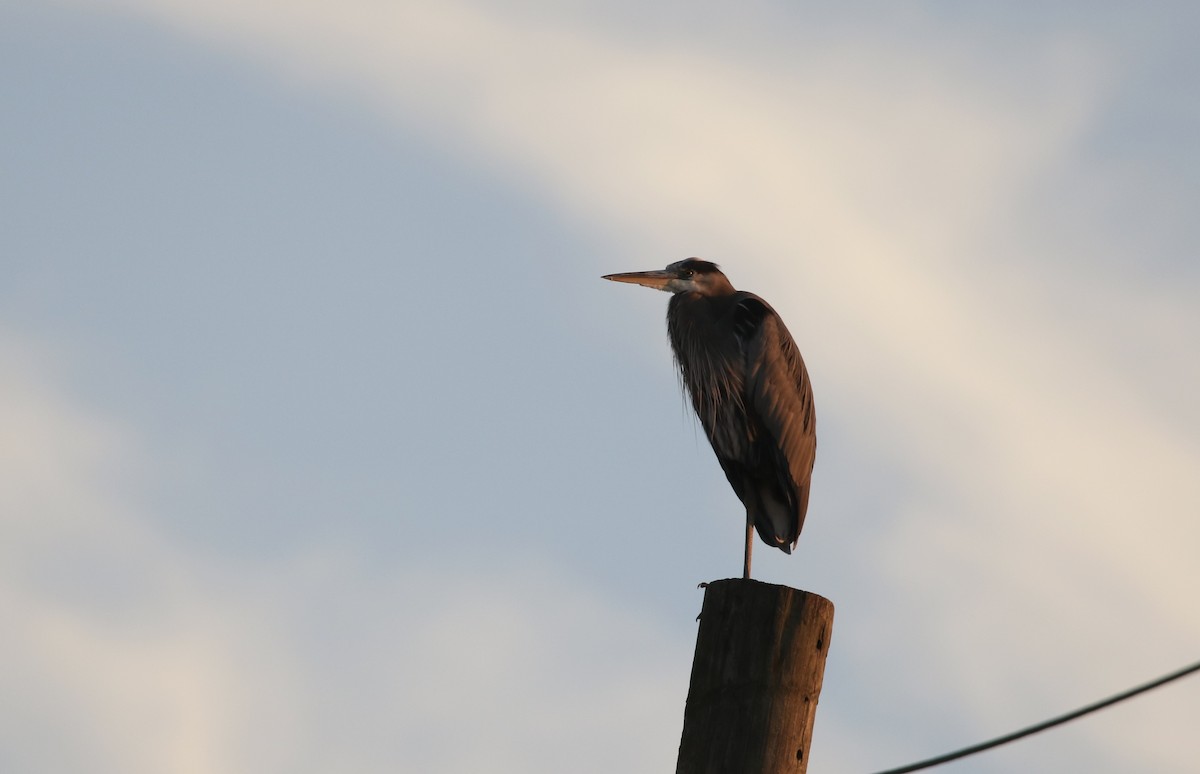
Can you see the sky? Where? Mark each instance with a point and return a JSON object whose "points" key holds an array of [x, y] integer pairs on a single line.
{"points": [[327, 449]]}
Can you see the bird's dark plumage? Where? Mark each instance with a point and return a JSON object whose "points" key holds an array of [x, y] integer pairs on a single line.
{"points": [[750, 389]]}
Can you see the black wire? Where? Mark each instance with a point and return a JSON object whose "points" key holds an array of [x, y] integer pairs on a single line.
{"points": [[964, 752]]}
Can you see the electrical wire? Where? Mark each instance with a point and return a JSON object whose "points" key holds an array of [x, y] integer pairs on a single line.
{"points": [[1052, 722]]}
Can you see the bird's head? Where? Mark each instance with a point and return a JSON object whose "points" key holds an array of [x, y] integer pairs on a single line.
{"points": [[691, 275]]}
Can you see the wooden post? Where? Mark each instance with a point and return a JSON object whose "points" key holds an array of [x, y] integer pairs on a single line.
{"points": [[756, 677]]}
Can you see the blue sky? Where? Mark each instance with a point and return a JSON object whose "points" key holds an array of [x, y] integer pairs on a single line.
{"points": [[327, 449]]}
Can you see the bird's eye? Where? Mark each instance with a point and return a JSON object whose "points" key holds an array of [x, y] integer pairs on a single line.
{"points": [[686, 274]]}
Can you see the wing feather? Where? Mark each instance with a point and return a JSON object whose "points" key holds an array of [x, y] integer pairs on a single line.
{"points": [[779, 395]]}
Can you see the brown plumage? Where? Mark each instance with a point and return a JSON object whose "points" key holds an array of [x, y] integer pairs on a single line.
{"points": [[750, 389]]}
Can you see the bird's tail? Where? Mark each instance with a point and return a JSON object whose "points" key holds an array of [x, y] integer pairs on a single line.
{"points": [[776, 523]]}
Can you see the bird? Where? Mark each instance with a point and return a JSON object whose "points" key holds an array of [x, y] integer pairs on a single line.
{"points": [[750, 389]]}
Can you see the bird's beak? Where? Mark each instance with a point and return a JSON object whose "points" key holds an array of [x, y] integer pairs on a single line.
{"points": [[651, 279]]}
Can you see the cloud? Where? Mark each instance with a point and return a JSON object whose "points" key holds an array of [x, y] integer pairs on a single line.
{"points": [[130, 651], [118, 657], [871, 188]]}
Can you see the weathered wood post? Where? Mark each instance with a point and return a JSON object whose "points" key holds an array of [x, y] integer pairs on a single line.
{"points": [[756, 677]]}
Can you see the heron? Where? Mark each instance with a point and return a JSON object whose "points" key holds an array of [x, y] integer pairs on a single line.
{"points": [[750, 389]]}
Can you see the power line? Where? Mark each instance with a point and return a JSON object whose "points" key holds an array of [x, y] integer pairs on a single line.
{"points": [[1051, 723]]}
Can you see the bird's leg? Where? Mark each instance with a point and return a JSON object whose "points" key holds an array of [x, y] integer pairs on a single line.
{"points": [[749, 547]]}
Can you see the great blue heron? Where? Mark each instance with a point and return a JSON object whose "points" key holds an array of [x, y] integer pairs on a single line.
{"points": [[750, 389]]}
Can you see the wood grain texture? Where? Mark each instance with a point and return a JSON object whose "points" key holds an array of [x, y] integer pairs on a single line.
{"points": [[756, 678]]}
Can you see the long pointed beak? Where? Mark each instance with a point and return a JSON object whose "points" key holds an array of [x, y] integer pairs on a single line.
{"points": [[650, 279]]}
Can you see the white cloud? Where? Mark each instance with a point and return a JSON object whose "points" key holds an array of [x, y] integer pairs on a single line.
{"points": [[882, 173], [129, 651], [114, 641]]}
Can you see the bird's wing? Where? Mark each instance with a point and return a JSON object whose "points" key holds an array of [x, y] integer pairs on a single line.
{"points": [[779, 394]]}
